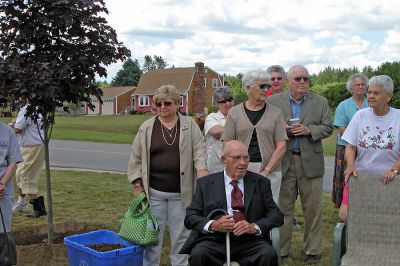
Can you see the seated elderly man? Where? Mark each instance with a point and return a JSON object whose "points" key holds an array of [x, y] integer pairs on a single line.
{"points": [[252, 213]]}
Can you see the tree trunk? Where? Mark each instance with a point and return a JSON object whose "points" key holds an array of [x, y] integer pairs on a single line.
{"points": [[48, 185]]}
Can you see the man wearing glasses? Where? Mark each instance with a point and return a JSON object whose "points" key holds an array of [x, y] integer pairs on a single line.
{"points": [[261, 127], [248, 212], [214, 126], [278, 79], [308, 122]]}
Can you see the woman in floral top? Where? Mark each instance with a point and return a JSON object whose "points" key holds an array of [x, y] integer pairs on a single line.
{"points": [[373, 134]]}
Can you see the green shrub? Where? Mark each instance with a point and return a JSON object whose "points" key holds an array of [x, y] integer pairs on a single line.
{"points": [[132, 112], [212, 109], [395, 102], [335, 93]]}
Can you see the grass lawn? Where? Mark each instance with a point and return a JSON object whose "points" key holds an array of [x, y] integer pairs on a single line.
{"points": [[102, 198], [117, 129]]}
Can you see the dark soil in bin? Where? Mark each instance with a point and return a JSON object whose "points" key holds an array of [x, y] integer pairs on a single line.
{"points": [[104, 247]]}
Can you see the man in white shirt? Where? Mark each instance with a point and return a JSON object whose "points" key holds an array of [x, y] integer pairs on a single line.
{"points": [[29, 136]]}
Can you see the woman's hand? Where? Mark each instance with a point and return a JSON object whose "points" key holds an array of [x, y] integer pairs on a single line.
{"points": [[388, 176], [201, 173], [350, 170], [137, 187]]}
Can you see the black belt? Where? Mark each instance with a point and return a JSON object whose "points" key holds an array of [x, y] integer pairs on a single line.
{"points": [[296, 152]]}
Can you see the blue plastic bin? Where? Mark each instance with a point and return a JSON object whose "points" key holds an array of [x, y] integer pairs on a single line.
{"points": [[80, 255]]}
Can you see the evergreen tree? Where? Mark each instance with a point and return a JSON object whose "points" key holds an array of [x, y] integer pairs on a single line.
{"points": [[157, 62], [129, 75]]}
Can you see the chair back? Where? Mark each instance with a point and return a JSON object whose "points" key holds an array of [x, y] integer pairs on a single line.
{"points": [[374, 214]]}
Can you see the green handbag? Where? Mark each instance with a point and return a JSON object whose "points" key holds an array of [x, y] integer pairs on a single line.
{"points": [[138, 224]]}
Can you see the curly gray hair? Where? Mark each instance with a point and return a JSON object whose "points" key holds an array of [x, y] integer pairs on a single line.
{"points": [[349, 83]]}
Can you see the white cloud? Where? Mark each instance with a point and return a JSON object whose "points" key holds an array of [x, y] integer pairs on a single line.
{"points": [[235, 36]]}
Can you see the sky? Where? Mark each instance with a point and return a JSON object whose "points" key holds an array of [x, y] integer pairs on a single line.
{"points": [[237, 35]]}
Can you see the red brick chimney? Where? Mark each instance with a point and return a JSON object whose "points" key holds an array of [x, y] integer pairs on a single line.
{"points": [[198, 100]]}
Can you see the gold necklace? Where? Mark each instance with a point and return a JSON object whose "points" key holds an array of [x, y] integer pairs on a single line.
{"points": [[170, 134], [169, 131]]}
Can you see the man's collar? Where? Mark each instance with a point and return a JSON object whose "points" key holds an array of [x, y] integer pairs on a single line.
{"points": [[228, 179], [296, 101]]}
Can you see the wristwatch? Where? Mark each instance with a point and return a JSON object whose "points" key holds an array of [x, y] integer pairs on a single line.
{"points": [[258, 230]]}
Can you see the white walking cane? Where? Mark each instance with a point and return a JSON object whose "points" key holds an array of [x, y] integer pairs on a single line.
{"points": [[213, 215], [228, 249]]}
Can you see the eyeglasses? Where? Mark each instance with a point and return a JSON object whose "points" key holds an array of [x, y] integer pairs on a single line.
{"points": [[225, 101], [165, 103], [237, 158], [276, 78], [359, 85], [298, 79], [265, 86]]}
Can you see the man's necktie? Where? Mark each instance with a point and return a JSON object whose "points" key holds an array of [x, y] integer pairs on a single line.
{"points": [[237, 202]]}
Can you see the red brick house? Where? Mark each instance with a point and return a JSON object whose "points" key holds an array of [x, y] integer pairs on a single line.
{"points": [[116, 100], [195, 85]]}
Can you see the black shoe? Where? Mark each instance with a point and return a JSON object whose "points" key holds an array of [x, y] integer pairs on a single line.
{"points": [[312, 259], [38, 208]]}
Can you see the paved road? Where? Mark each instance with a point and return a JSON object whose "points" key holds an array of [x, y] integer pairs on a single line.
{"points": [[114, 157]]}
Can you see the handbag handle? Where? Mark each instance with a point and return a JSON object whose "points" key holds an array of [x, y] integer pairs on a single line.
{"points": [[139, 200], [4, 225], [2, 221]]}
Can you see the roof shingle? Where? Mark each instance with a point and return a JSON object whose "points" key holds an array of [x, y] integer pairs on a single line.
{"points": [[181, 78]]}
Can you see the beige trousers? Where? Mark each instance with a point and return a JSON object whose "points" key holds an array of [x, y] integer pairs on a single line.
{"points": [[274, 177], [310, 191]]}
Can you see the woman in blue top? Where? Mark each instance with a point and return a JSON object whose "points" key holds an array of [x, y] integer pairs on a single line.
{"points": [[357, 85]]}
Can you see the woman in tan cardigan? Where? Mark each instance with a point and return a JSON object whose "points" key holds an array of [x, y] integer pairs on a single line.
{"points": [[167, 155]]}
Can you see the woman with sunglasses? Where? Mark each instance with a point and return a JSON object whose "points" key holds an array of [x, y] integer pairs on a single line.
{"points": [[167, 155], [261, 127], [214, 126], [278, 79]]}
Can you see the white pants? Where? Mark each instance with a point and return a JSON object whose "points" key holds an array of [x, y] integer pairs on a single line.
{"points": [[167, 209], [275, 177]]}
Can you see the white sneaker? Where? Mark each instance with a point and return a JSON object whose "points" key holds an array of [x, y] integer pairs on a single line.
{"points": [[20, 207]]}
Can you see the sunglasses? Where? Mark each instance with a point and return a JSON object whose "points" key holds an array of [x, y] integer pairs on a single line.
{"points": [[265, 86], [165, 103], [226, 101], [298, 79], [276, 78]]}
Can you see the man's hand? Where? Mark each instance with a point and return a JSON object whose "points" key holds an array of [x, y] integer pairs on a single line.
{"points": [[2, 189], [300, 130], [223, 224], [243, 227]]}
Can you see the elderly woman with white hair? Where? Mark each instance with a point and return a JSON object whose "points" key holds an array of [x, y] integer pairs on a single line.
{"points": [[373, 137], [261, 127], [357, 85]]}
